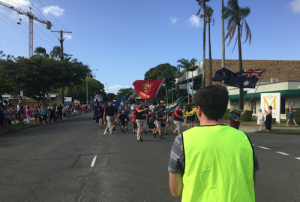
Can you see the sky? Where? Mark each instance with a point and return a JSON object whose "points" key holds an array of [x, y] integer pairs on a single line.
{"points": [[124, 39]]}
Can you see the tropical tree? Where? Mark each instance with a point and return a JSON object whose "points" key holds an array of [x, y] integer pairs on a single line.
{"points": [[236, 20], [210, 20], [40, 51], [189, 66], [123, 91], [203, 6], [56, 52]]}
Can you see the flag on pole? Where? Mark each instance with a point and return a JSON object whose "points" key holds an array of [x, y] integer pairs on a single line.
{"points": [[147, 89], [242, 79], [120, 100], [175, 104]]}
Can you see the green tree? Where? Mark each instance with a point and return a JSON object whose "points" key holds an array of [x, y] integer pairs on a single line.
{"points": [[203, 6], [236, 20], [40, 51], [123, 91], [162, 71], [189, 66], [38, 75], [56, 51], [110, 96]]}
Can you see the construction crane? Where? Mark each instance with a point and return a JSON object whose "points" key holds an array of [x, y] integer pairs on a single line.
{"points": [[31, 18]]}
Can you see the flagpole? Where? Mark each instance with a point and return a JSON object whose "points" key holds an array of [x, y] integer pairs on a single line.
{"points": [[255, 91]]}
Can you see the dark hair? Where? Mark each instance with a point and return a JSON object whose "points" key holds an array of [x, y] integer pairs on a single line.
{"points": [[28, 107], [189, 108], [213, 101], [271, 107]]}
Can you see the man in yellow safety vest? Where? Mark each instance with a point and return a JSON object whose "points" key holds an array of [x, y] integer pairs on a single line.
{"points": [[212, 162]]}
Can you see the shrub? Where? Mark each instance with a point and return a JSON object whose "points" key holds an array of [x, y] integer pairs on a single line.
{"points": [[54, 105], [296, 114], [273, 120], [247, 117]]}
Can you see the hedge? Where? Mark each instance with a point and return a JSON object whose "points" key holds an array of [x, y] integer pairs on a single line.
{"points": [[247, 117], [187, 104], [296, 114]]}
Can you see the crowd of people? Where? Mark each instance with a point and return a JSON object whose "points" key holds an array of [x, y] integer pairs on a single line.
{"points": [[145, 118], [39, 113]]}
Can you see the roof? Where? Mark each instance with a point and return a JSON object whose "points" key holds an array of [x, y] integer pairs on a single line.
{"points": [[257, 95]]}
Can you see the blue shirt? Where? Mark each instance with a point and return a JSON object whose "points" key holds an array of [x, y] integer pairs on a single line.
{"points": [[127, 112], [120, 111], [45, 111]]}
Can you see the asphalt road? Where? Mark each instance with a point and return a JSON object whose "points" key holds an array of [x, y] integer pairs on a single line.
{"points": [[74, 161]]}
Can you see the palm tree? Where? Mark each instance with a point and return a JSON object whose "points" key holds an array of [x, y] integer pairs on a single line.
{"points": [[209, 12], [177, 75], [56, 52], [236, 19], [189, 66], [223, 40], [203, 6], [40, 51]]}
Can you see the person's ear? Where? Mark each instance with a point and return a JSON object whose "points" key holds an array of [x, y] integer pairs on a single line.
{"points": [[199, 111]]}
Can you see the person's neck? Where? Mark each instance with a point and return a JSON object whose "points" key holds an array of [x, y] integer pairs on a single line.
{"points": [[208, 122]]}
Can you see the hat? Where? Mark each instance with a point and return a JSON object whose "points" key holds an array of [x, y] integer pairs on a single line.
{"points": [[161, 101], [232, 108], [259, 110]]}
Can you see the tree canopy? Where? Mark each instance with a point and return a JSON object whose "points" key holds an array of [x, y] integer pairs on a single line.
{"points": [[123, 91]]}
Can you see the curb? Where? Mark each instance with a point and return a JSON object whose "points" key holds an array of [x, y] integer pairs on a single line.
{"points": [[31, 126]]}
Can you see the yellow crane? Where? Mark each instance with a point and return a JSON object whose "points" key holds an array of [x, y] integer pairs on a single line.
{"points": [[31, 18]]}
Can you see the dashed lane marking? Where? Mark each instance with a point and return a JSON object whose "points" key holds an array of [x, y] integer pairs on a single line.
{"points": [[282, 153], [297, 158], [93, 162], [263, 147]]}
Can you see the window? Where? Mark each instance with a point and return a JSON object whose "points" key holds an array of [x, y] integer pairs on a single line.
{"points": [[253, 106], [282, 106]]}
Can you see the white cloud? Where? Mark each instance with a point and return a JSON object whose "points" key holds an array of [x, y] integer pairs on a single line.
{"points": [[68, 36], [114, 89], [18, 3], [54, 10], [295, 6], [173, 20], [194, 21]]}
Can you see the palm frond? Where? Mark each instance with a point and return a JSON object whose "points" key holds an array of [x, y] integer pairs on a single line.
{"points": [[235, 43], [244, 12], [230, 33], [248, 32]]}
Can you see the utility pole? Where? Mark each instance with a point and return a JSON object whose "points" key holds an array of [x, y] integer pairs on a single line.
{"points": [[61, 40]]}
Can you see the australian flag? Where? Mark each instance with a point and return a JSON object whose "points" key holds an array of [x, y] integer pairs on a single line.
{"points": [[242, 79]]}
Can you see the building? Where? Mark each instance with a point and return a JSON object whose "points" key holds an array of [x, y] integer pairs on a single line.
{"points": [[279, 70], [289, 90]]}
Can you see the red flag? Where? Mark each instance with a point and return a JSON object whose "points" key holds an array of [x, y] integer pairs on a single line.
{"points": [[147, 89]]}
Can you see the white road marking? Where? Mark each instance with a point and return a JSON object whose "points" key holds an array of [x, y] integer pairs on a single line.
{"points": [[263, 147], [94, 160], [297, 158], [279, 152]]}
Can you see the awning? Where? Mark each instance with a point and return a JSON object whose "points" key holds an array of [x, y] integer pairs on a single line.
{"points": [[284, 93]]}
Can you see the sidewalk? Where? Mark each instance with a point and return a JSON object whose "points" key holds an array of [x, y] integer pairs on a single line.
{"points": [[254, 129]]}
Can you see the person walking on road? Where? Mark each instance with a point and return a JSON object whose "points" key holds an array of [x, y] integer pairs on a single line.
{"points": [[212, 162], [140, 111], [123, 118], [291, 115], [44, 114], [59, 112], [109, 112], [127, 112], [170, 120], [178, 119], [134, 131]]}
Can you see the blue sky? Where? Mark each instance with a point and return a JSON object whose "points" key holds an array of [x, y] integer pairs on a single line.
{"points": [[124, 39]]}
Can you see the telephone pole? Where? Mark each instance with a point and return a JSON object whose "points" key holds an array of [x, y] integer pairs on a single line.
{"points": [[61, 40]]}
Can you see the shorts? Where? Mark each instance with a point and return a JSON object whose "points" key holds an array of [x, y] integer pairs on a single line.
{"points": [[134, 125], [100, 116], [45, 117], [170, 118], [123, 123], [189, 121], [158, 124], [35, 116]]}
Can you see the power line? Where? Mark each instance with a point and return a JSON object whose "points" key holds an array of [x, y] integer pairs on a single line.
{"points": [[52, 15], [49, 46], [14, 28]]}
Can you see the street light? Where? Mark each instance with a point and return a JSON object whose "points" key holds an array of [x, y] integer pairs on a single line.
{"points": [[87, 92]]}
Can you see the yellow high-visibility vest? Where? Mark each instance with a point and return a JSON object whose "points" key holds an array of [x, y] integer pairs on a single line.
{"points": [[219, 165]]}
